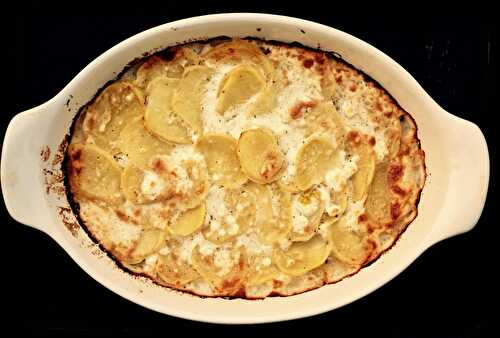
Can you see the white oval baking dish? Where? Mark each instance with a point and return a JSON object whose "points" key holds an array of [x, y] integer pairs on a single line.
{"points": [[452, 200]]}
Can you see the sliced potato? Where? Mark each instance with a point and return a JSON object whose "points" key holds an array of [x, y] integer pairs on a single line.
{"points": [[159, 118], [226, 280], [274, 223], [222, 161], [131, 181], [302, 257], [325, 118], [154, 67], [139, 145], [94, 173], [241, 207], [239, 85], [189, 221], [149, 242], [173, 272], [106, 117], [338, 204], [186, 100], [314, 160], [379, 196], [307, 208], [363, 177], [260, 156], [141, 186], [198, 174], [239, 51], [266, 101], [260, 273], [348, 246]]}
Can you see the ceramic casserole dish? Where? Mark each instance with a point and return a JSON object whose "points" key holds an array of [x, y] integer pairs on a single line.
{"points": [[452, 199]]}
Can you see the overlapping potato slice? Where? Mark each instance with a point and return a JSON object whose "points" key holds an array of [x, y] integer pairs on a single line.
{"points": [[324, 118], [337, 205], [154, 67], [159, 118], [174, 272], [188, 222], [225, 270], [131, 181], [240, 206], [302, 257], [379, 197], [261, 270], [139, 145], [238, 51], [265, 101], [314, 159], [347, 245], [94, 173], [184, 57], [186, 100], [274, 214], [104, 119], [238, 86], [162, 179], [307, 209], [197, 173], [149, 242], [260, 156], [363, 177], [222, 161]]}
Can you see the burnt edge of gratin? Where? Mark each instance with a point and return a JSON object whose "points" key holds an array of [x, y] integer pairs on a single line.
{"points": [[168, 53]]}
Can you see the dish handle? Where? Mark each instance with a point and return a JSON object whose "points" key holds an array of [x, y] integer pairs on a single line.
{"points": [[468, 178], [21, 179]]}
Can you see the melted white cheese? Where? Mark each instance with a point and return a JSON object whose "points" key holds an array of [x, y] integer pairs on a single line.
{"points": [[253, 246], [354, 210], [152, 185], [301, 212], [326, 197], [336, 178], [224, 260]]}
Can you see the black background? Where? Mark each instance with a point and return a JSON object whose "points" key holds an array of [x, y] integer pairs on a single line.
{"points": [[449, 291]]}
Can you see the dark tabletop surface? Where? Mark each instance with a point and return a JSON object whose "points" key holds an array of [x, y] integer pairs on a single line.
{"points": [[449, 291]]}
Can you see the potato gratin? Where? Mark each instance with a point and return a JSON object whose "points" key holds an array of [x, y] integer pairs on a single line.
{"points": [[244, 168]]}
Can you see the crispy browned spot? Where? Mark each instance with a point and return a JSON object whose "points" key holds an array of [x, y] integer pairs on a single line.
{"points": [[277, 284], [354, 137], [76, 155], [372, 141], [152, 61], [378, 106], [353, 87], [319, 58], [298, 110], [397, 190], [394, 173], [230, 283], [362, 218], [395, 210], [308, 63], [159, 166], [121, 215]]}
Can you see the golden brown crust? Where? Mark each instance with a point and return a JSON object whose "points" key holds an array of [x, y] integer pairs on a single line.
{"points": [[391, 198]]}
